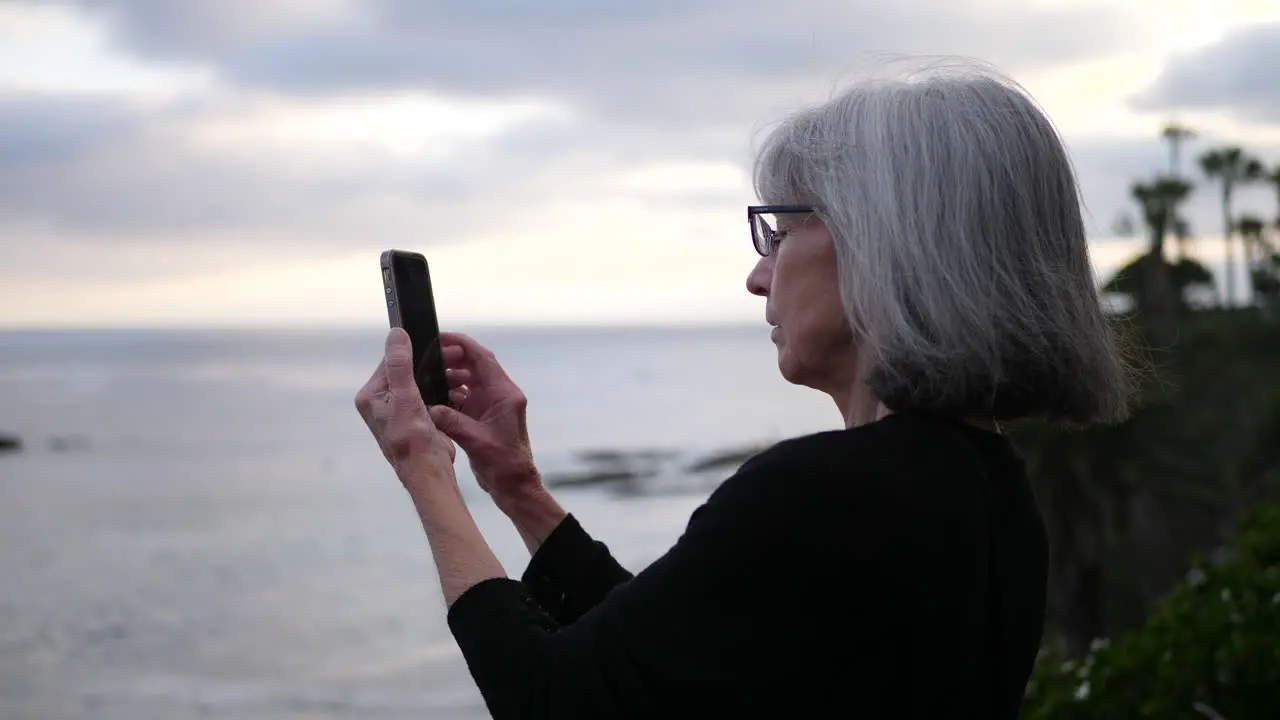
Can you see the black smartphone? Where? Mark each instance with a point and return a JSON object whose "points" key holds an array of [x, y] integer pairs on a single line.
{"points": [[411, 305]]}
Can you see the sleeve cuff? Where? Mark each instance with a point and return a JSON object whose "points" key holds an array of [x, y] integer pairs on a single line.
{"points": [[500, 631], [570, 573], [488, 605]]}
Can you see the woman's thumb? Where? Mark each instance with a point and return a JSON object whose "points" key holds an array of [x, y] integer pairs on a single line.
{"points": [[460, 428]]}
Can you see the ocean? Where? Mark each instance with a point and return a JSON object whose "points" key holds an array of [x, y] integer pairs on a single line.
{"points": [[200, 526]]}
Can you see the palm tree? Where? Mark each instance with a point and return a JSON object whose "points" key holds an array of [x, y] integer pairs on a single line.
{"points": [[1250, 228], [1231, 167], [1180, 228], [1262, 256], [1273, 178], [1159, 201], [1175, 135]]}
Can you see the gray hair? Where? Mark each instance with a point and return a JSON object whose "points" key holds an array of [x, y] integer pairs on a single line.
{"points": [[961, 251]]}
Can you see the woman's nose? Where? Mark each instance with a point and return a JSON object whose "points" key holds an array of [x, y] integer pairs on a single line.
{"points": [[759, 278]]}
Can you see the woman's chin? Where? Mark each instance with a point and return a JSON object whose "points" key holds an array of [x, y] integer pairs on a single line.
{"points": [[798, 369], [786, 366]]}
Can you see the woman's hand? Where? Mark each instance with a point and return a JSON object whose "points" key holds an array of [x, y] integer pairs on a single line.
{"points": [[392, 407], [489, 422]]}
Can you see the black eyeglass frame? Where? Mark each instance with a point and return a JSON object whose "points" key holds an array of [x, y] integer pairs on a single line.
{"points": [[764, 245]]}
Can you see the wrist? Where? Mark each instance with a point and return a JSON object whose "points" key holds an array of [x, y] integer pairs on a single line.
{"points": [[534, 513], [513, 475], [529, 496], [427, 478]]}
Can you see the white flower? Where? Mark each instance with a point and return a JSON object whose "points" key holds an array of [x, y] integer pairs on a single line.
{"points": [[1082, 692]]}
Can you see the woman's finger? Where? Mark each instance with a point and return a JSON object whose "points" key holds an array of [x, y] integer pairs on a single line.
{"points": [[375, 386], [457, 376], [479, 359], [398, 361], [457, 397], [457, 360]]}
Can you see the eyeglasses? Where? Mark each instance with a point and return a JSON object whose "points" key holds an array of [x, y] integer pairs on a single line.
{"points": [[765, 235]]}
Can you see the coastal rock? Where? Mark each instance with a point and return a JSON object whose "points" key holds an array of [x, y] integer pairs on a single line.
{"points": [[726, 460], [10, 443], [652, 471], [672, 484], [612, 466], [588, 478], [68, 443], [615, 458]]}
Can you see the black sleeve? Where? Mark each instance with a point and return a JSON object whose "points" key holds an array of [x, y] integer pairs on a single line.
{"points": [[571, 573], [816, 574], [680, 638]]}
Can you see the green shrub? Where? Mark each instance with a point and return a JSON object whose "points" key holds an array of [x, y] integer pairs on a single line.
{"points": [[1211, 649]]}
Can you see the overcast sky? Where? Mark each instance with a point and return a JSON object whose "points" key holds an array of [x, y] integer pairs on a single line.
{"points": [[243, 162]]}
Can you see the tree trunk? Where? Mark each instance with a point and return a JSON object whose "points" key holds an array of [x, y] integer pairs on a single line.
{"points": [[1157, 301], [1227, 247], [1247, 241]]}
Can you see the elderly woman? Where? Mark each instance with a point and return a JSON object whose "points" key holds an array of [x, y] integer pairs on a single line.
{"points": [[923, 262]]}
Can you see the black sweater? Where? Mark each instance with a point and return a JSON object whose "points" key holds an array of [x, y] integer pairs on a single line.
{"points": [[894, 570]]}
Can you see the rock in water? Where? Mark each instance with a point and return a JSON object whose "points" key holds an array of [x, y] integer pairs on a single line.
{"points": [[72, 442], [592, 477], [10, 443], [727, 460]]}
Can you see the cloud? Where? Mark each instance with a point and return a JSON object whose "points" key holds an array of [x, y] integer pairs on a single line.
{"points": [[668, 61], [113, 168], [1236, 74], [130, 186], [334, 127], [39, 131], [99, 186], [684, 81], [325, 175], [201, 30]]}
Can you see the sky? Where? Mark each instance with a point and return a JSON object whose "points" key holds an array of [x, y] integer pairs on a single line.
{"points": [[244, 162]]}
